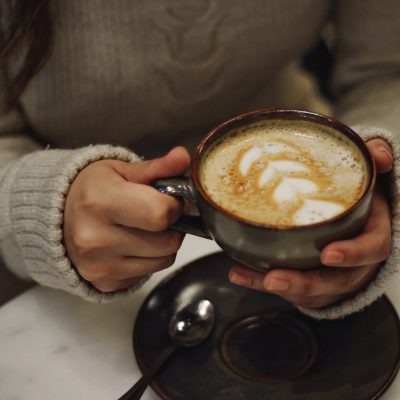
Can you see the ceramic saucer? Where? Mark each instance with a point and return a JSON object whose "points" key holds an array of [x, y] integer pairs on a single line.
{"points": [[262, 347]]}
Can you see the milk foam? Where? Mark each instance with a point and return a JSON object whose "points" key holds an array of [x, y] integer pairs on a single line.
{"points": [[284, 173], [316, 210], [274, 169], [290, 189], [249, 158]]}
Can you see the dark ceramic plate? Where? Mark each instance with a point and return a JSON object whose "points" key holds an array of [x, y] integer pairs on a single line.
{"points": [[262, 347]]}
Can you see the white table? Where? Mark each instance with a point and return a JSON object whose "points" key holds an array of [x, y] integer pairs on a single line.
{"points": [[57, 346]]}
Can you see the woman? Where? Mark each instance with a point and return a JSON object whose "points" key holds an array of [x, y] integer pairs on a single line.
{"points": [[76, 207]]}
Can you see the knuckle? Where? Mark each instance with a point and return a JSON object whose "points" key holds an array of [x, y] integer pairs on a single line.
{"points": [[163, 262], [93, 273], [356, 256], [159, 218], [168, 261], [107, 287], [86, 242], [305, 302], [385, 248], [351, 278], [173, 242], [353, 254], [90, 201], [305, 288]]}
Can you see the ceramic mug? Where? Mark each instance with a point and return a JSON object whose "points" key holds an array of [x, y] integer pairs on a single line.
{"points": [[262, 246]]}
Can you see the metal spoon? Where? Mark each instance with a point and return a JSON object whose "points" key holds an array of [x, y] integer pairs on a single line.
{"points": [[189, 326]]}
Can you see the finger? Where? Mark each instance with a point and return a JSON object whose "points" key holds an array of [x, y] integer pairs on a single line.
{"points": [[135, 204], [139, 243], [124, 268], [382, 154], [371, 246], [113, 286], [313, 302], [289, 283], [120, 241], [141, 206], [176, 162], [281, 287], [137, 266]]}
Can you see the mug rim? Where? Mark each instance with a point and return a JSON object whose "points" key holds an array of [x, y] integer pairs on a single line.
{"points": [[275, 113]]}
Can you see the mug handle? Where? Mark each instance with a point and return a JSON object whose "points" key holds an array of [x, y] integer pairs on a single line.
{"points": [[181, 186]]}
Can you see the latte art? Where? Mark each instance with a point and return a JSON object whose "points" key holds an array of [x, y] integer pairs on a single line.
{"points": [[284, 173]]}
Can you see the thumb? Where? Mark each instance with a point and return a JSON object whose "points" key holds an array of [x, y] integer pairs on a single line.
{"points": [[176, 162], [382, 154]]}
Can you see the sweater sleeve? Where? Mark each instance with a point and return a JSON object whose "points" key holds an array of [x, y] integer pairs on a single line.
{"points": [[33, 186], [367, 83]]}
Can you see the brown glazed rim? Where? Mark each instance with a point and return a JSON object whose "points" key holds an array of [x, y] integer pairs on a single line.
{"points": [[274, 113]]}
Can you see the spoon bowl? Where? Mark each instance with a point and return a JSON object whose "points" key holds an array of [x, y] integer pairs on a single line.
{"points": [[192, 323]]}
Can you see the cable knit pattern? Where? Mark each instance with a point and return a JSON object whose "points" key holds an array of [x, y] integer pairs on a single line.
{"points": [[189, 55], [148, 75]]}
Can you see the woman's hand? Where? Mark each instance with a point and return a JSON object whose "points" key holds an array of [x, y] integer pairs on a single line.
{"points": [[115, 224], [351, 264]]}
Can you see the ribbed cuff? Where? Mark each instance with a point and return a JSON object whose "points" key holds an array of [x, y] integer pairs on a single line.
{"points": [[377, 287], [37, 199]]}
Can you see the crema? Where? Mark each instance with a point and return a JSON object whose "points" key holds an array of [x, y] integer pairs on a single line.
{"points": [[284, 173]]}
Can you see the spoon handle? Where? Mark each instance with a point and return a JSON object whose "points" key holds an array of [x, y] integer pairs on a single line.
{"points": [[136, 391]]}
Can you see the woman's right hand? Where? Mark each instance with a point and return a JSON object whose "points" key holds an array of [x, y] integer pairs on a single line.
{"points": [[116, 225]]}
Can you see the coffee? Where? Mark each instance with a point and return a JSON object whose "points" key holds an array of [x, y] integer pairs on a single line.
{"points": [[284, 173]]}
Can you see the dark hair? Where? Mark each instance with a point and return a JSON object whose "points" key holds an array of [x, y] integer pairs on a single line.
{"points": [[28, 36]]}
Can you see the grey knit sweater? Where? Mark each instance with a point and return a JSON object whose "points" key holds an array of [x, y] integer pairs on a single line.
{"points": [[138, 77]]}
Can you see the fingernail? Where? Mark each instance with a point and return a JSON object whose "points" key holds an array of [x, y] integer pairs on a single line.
{"points": [[240, 279], [383, 149], [278, 285], [333, 258]]}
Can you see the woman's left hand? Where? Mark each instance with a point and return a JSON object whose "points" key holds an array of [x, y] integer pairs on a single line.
{"points": [[350, 264]]}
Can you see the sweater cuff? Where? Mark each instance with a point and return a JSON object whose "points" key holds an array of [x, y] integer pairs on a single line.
{"points": [[377, 287], [37, 199]]}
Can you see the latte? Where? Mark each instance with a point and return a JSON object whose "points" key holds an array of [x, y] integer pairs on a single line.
{"points": [[284, 172]]}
